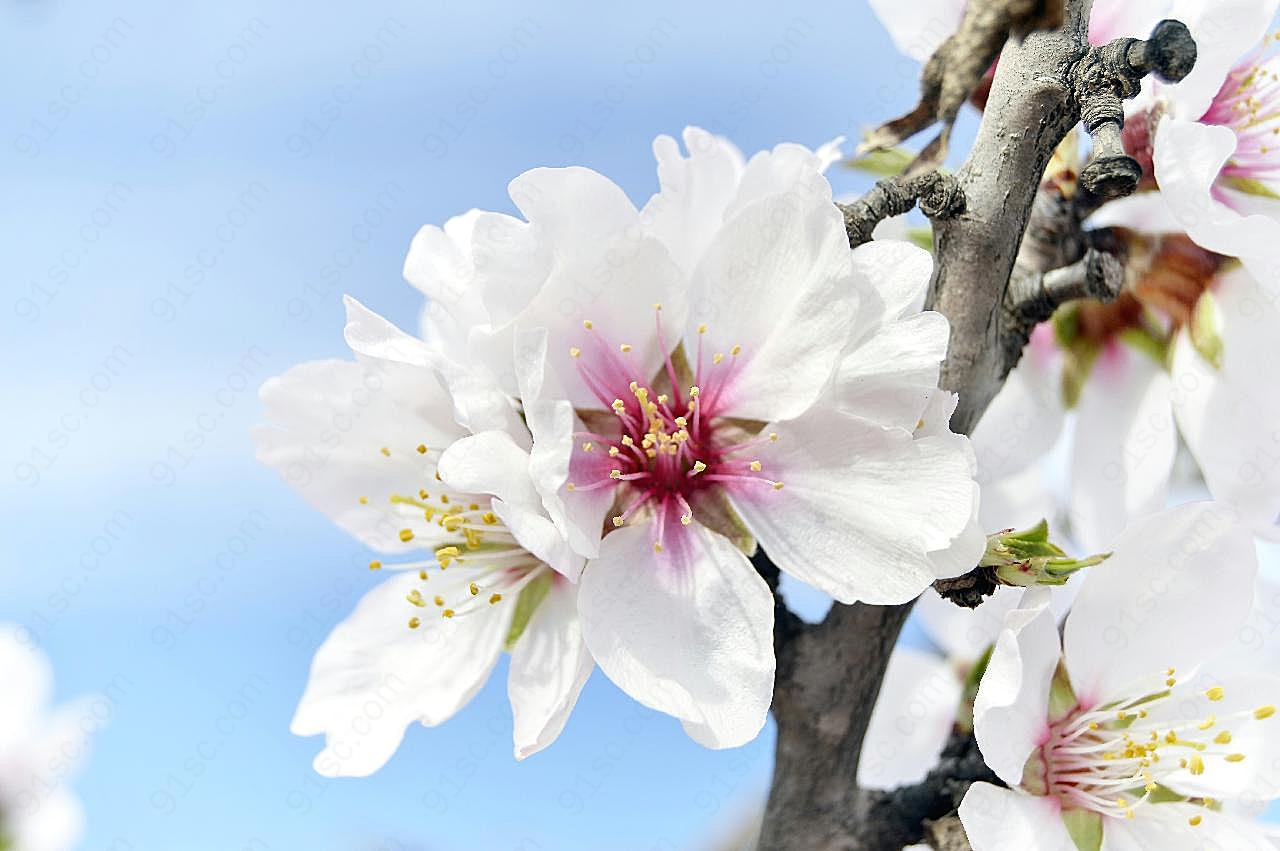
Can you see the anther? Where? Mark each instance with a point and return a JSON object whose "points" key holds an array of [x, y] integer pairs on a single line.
{"points": [[415, 597], [448, 613], [414, 623], [624, 348], [474, 589], [406, 535], [375, 565], [1263, 712], [736, 350], [1216, 693], [385, 451], [615, 474], [494, 599], [364, 500], [755, 466], [586, 323], [422, 449], [575, 352], [618, 521], [686, 519], [586, 447]]}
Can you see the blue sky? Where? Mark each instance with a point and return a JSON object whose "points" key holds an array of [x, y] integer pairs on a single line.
{"points": [[188, 191]]}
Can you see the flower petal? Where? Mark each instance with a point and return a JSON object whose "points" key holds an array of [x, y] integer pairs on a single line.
{"points": [[965, 634], [1177, 588], [1165, 827], [911, 722], [1224, 32], [439, 264], [1112, 19], [1188, 158], [552, 423], [890, 377], [694, 192], [373, 659], [898, 271], [28, 679], [861, 505], [775, 280], [1024, 420], [1125, 443], [330, 421], [478, 401], [1010, 713], [689, 633], [919, 28], [998, 819], [549, 666], [1145, 212], [491, 463], [1229, 416]]}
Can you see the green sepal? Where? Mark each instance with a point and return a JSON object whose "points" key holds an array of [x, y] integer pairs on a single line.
{"points": [[1206, 330], [969, 693], [1249, 186], [1144, 340], [531, 596], [1062, 697], [1084, 827], [1027, 558]]}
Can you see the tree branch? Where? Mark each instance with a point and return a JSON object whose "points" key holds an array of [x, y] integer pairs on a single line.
{"points": [[938, 195], [829, 675]]}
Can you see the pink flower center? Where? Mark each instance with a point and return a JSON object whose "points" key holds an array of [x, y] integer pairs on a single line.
{"points": [[1249, 103], [1112, 759], [670, 441]]}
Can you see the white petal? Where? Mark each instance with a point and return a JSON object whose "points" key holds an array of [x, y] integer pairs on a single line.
{"points": [[1125, 443], [373, 676], [512, 260], [28, 679], [439, 265], [1010, 713], [573, 208], [966, 550], [491, 463], [775, 281], [329, 421], [694, 192], [1112, 19], [788, 169], [1224, 31], [1165, 827], [549, 666], [1229, 416], [898, 271], [1257, 778], [1145, 212], [965, 634], [890, 377], [1188, 158], [861, 506], [552, 423], [477, 399], [998, 819], [57, 824], [1024, 421], [1018, 501], [911, 722], [918, 28], [689, 634], [1176, 589]]}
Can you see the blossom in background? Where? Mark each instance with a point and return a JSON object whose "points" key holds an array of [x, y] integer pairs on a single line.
{"points": [[1185, 350], [376, 445], [40, 748], [1210, 145], [740, 374], [919, 28], [1123, 735]]}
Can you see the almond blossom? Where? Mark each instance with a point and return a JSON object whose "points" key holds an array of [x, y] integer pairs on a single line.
{"points": [[1123, 735], [39, 747], [1209, 144], [740, 374], [477, 567], [1184, 351]]}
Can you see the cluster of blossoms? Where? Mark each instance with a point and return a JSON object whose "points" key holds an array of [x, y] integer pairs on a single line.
{"points": [[1147, 724], [39, 751], [608, 407]]}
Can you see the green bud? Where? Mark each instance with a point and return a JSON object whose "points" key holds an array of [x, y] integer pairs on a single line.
{"points": [[1027, 558]]}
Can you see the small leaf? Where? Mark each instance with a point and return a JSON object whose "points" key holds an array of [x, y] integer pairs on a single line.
{"points": [[1206, 330], [889, 162], [1084, 827], [922, 237], [531, 596]]}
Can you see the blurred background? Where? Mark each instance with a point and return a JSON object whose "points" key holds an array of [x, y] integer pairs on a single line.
{"points": [[188, 192]]}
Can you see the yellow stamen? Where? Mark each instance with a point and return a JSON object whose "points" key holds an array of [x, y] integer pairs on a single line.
{"points": [[624, 348], [575, 352], [1215, 693], [375, 565], [364, 500], [1235, 757], [1263, 712], [586, 323], [494, 599], [406, 535], [755, 466], [422, 449], [385, 451], [474, 589]]}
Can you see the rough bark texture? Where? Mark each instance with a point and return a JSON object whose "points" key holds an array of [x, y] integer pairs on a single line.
{"points": [[829, 674]]}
